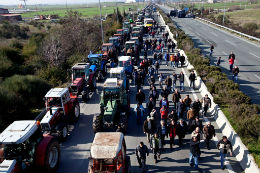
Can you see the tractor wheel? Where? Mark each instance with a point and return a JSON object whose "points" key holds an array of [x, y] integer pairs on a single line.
{"points": [[63, 132], [97, 125], [105, 70], [127, 164], [76, 112], [90, 166], [52, 156], [100, 76]]}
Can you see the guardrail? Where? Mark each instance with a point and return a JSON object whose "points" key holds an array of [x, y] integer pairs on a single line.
{"points": [[229, 29]]}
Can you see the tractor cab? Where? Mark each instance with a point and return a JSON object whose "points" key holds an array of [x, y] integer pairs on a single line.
{"points": [[120, 31], [115, 41], [126, 63], [119, 73], [108, 153], [60, 104], [98, 64], [126, 25], [126, 30], [136, 28], [107, 47], [135, 34], [130, 44], [24, 146], [139, 24], [136, 40]]}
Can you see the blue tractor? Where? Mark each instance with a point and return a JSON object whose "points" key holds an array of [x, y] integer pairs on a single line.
{"points": [[98, 64]]}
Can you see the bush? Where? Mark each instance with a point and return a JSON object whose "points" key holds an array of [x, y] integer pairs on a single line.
{"points": [[8, 30], [250, 27]]}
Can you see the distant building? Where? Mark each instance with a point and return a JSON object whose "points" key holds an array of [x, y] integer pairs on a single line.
{"points": [[5, 15]]}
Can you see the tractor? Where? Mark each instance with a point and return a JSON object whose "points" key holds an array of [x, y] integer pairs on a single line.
{"points": [[114, 107], [61, 109], [126, 63], [120, 31], [119, 73], [108, 154], [82, 81], [26, 149], [129, 46], [98, 65]]}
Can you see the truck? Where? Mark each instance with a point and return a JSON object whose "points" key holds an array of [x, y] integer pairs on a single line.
{"points": [[114, 107], [108, 154], [27, 149], [61, 109]]}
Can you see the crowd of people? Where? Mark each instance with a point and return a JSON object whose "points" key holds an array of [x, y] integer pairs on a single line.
{"points": [[183, 118]]}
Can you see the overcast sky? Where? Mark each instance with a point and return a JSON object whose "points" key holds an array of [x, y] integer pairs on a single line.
{"points": [[16, 2]]}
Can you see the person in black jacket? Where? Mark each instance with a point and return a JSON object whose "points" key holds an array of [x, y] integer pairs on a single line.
{"points": [[140, 97], [141, 152], [197, 107], [224, 146], [182, 60], [150, 104], [181, 130], [194, 152], [192, 78]]}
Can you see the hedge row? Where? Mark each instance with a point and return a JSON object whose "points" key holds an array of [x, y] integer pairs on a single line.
{"points": [[243, 116]]}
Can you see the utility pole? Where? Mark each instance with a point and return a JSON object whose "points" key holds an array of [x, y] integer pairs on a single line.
{"points": [[116, 13], [101, 22], [224, 12]]}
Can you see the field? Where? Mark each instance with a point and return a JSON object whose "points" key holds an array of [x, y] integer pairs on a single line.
{"points": [[85, 11], [223, 5], [244, 16]]}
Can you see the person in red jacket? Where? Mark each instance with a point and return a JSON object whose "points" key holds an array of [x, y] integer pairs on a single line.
{"points": [[231, 63], [172, 132], [164, 113]]}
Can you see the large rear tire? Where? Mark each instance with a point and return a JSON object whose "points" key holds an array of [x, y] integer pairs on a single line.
{"points": [[128, 164], [52, 156], [63, 132], [97, 124]]}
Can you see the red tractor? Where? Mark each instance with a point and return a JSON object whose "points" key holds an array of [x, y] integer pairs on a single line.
{"points": [[108, 154], [81, 81], [26, 149], [61, 110]]}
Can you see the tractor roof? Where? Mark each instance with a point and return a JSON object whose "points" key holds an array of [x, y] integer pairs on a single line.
{"points": [[117, 70], [113, 38], [106, 145], [119, 29], [117, 35], [111, 82], [136, 27], [56, 92], [94, 55], [81, 65], [107, 44], [124, 58], [134, 38], [130, 42], [18, 132]]}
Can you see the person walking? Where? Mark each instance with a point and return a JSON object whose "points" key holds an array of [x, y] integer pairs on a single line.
{"points": [[173, 46], [139, 113], [140, 97], [196, 123], [211, 50], [160, 56], [166, 58], [209, 132], [162, 132], [172, 59], [194, 153], [157, 67], [197, 107], [180, 108], [165, 92], [150, 104], [181, 130], [176, 96], [149, 127], [164, 113], [235, 73], [192, 78], [174, 79], [177, 59], [225, 147], [190, 118], [206, 104], [168, 83], [154, 94], [156, 145], [181, 78], [232, 55], [141, 152], [231, 63], [160, 79], [219, 61], [182, 60], [172, 132], [197, 133], [187, 101]]}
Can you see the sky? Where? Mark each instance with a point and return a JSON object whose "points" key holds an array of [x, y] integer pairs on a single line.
{"points": [[32, 2]]}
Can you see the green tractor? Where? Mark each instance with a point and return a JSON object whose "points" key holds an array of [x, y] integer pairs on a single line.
{"points": [[114, 107]]}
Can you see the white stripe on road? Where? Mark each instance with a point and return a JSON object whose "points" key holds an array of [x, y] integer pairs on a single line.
{"points": [[257, 76], [215, 138], [230, 42], [254, 55]]}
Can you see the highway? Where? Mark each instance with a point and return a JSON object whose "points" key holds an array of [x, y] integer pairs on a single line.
{"points": [[76, 150], [247, 53]]}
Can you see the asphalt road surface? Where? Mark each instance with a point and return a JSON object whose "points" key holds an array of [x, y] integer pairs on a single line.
{"points": [[247, 53], [76, 150]]}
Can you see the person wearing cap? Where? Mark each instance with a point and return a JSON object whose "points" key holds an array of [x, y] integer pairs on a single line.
{"points": [[209, 132], [206, 104]]}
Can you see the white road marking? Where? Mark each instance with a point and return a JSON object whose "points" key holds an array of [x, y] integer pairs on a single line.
{"points": [[215, 138], [230, 42], [257, 76], [254, 55]]}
